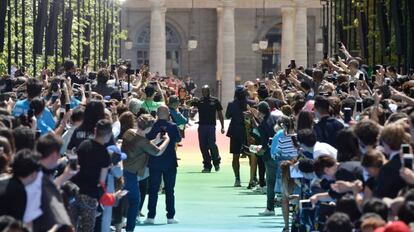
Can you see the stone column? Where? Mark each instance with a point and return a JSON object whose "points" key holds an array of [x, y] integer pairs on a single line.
{"points": [[301, 35], [219, 74], [157, 42], [288, 36], [228, 52]]}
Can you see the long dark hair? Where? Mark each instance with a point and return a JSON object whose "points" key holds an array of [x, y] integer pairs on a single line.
{"points": [[94, 112], [348, 148], [305, 120], [241, 96]]}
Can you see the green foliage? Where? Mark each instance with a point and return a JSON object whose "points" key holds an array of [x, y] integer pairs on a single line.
{"points": [[87, 7], [350, 27]]}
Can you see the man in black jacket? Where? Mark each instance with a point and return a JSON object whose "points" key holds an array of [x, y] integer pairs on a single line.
{"points": [[54, 211], [328, 127], [13, 197]]}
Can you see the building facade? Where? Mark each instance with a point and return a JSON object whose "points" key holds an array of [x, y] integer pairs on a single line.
{"points": [[224, 30]]}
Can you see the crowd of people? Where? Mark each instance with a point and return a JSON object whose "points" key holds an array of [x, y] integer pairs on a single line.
{"points": [[331, 145], [80, 151]]}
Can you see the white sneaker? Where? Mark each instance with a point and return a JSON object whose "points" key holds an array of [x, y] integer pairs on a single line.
{"points": [[267, 213], [149, 221], [172, 221]]}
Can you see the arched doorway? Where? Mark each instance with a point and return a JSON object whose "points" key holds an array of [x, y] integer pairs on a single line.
{"points": [[271, 56], [173, 53]]}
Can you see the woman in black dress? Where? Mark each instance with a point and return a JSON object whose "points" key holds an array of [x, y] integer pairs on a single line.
{"points": [[236, 131]]}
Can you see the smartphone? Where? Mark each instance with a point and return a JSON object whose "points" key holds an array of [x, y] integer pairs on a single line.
{"points": [[386, 92], [294, 140], [113, 67], [407, 160], [387, 81], [373, 78], [62, 112], [352, 86], [336, 57], [67, 107], [292, 64], [87, 87], [347, 114], [270, 75], [325, 56], [412, 92], [339, 44], [123, 193], [62, 82], [287, 72], [361, 77], [359, 106], [76, 86], [137, 71], [405, 148], [305, 204]]}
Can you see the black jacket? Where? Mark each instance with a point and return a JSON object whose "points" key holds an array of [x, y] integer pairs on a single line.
{"points": [[12, 197], [389, 181], [327, 129], [54, 211]]}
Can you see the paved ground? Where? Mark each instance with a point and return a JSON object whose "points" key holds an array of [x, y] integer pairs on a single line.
{"points": [[208, 202]]}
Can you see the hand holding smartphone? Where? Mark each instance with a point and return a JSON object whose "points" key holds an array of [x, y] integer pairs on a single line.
{"points": [[407, 159]]}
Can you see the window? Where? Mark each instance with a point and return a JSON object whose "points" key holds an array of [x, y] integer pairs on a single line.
{"points": [[173, 53]]}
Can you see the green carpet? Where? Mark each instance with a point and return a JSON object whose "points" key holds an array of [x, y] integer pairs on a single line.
{"points": [[208, 202]]}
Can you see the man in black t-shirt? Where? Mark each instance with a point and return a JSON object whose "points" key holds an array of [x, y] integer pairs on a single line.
{"points": [[94, 162], [208, 107]]}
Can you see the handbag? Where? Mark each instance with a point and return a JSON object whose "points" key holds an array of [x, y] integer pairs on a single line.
{"points": [[107, 199]]}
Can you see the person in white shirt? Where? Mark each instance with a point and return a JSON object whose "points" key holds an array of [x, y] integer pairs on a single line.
{"points": [[312, 148]]}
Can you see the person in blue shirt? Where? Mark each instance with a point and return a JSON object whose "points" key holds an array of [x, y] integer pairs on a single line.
{"points": [[34, 89], [164, 166], [176, 116], [37, 106]]}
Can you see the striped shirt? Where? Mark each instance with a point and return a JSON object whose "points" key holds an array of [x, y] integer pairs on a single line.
{"points": [[282, 146]]}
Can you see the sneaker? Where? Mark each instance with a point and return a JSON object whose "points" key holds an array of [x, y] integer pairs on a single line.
{"points": [[149, 221], [217, 168], [237, 183], [267, 213], [205, 170], [172, 221]]}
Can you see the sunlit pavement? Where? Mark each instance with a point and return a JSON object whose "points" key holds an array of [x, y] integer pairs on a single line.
{"points": [[209, 202]]}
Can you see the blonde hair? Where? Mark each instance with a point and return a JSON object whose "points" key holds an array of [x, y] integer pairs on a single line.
{"points": [[394, 135]]}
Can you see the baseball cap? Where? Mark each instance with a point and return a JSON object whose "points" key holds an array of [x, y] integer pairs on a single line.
{"points": [[115, 149], [263, 107], [396, 226], [107, 199]]}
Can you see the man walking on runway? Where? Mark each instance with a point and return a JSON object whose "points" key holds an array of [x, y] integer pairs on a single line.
{"points": [[208, 108]]}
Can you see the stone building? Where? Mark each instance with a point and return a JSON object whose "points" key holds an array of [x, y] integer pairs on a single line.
{"points": [[224, 30]]}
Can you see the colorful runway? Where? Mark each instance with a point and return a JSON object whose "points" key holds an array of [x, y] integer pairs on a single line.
{"points": [[209, 202]]}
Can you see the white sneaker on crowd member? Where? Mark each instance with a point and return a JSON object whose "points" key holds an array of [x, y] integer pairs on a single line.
{"points": [[267, 212], [264, 189], [172, 221], [149, 221]]}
